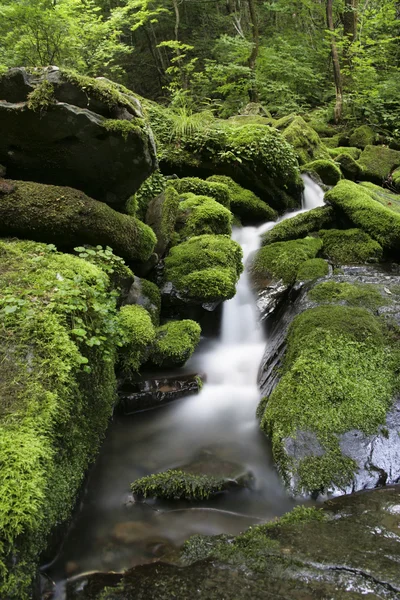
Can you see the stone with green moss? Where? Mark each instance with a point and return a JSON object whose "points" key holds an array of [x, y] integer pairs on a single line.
{"points": [[146, 294], [303, 138], [244, 203], [396, 179], [382, 195], [300, 225], [175, 485], [349, 167], [198, 215], [161, 215], [352, 294], [282, 260], [356, 203], [137, 204], [174, 343], [57, 390], [350, 246], [327, 170], [362, 136], [74, 130], [136, 336], [355, 153], [378, 162], [218, 190], [68, 218], [205, 268], [314, 268]]}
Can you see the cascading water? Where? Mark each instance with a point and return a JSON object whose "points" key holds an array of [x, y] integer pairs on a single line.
{"points": [[108, 534]]}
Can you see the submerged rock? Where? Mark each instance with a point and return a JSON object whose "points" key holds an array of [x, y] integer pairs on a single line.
{"points": [[62, 128]]}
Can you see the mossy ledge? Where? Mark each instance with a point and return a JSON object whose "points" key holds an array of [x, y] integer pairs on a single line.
{"points": [[58, 326], [350, 246], [301, 225]]}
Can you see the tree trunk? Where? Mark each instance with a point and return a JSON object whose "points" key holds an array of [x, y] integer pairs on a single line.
{"points": [[350, 19], [253, 93], [336, 65]]}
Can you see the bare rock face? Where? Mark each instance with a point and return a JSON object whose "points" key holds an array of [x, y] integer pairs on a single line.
{"points": [[64, 129]]}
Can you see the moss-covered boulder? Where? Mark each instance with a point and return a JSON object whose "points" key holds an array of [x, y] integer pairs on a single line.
{"points": [[175, 342], [362, 136], [350, 246], [314, 268], [203, 269], [301, 225], [349, 167], [57, 390], [161, 215], [216, 189], [304, 139], [379, 221], [378, 162], [327, 170], [145, 293], [355, 153], [198, 215], [65, 129], [67, 217], [244, 203], [281, 260], [396, 179], [382, 195], [136, 336]]}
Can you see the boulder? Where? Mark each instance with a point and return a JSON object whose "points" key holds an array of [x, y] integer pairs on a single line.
{"points": [[67, 218], [161, 217], [378, 162], [304, 139], [362, 136], [327, 170], [65, 129], [303, 224]]}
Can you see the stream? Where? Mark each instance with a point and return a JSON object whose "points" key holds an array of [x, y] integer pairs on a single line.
{"points": [[110, 531]]}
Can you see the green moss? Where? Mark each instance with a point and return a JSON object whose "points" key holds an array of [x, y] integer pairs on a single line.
{"points": [[353, 152], [383, 196], [377, 162], [338, 374], [205, 267], [351, 246], [151, 188], [175, 343], [136, 337], [327, 170], [57, 382], [362, 136], [349, 167], [300, 225], [244, 203], [67, 217], [357, 294], [378, 221], [396, 179], [213, 189], [41, 97], [305, 141], [123, 128], [312, 269], [151, 291], [199, 215], [175, 485], [281, 260]]}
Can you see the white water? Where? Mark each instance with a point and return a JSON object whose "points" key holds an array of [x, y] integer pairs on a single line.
{"points": [[221, 419]]}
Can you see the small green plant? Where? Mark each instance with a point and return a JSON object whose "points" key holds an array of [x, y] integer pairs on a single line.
{"points": [[41, 97], [175, 484]]}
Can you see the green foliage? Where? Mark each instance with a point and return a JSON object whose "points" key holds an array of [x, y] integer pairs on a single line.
{"points": [[136, 336], [41, 97], [351, 246], [175, 485], [205, 267], [312, 269], [214, 189], [357, 294], [338, 374], [377, 162], [151, 188], [244, 203], [199, 215], [300, 225], [282, 260], [175, 343], [58, 330], [327, 170]]}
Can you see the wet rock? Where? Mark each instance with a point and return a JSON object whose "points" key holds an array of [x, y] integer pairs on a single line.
{"points": [[130, 532], [83, 133], [156, 391], [208, 463]]}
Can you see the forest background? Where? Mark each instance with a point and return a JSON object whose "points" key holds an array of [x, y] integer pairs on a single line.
{"points": [[339, 59]]}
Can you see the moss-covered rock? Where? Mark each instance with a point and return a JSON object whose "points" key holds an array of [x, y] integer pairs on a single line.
{"points": [[136, 336], [338, 374], [175, 342], [351, 294], [349, 167], [206, 267], [244, 203], [161, 215], [382, 195], [380, 222], [281, 260], [57, 391], [300, 225], [200, 215], [138, 203], [314, 268], [351, 151], [362, 136], [327, 170], [378, 162], [68, 218], [396, 179], [303, 138], [213, 189], [175, 485], [350, 246]]}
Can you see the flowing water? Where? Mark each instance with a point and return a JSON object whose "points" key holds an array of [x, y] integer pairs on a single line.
{"points": [[112, 533]]}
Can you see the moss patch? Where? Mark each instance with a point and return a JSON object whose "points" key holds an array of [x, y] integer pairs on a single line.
{"points": [[355, 153], [349, 167], [304, 139], [378, 162], [327, 170], [177, 485], [281, 260], [217, 190], [136, 336], [151, 188], [199, 215], [351, 246], [362, 136], [41, 97], [300, 225], [175, 343], [152, 293], [67, 217], [205, 267], [58, 330], [383, 196], [357, 294], [312, 269]]}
